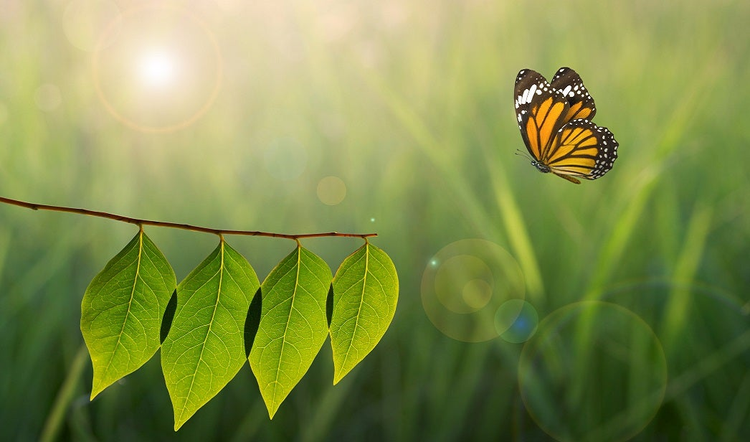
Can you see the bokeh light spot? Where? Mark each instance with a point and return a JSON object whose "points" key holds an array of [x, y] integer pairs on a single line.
{"points": [[48, 97], [477, 293], [516, 321], [593, 371], [465, 283], [331, 190], [457, 278]]}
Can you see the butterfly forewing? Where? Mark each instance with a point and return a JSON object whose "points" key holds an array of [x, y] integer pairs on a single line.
{"points": [[540, 110], [555, 123], [582, 149], [581, 103]]}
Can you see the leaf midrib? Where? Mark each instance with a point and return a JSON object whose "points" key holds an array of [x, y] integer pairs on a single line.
{"points": [[359, 308], [130, 301], [286, 326], [208, 330]]}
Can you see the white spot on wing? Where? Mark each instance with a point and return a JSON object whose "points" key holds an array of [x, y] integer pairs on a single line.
{"points": [[532, 90]]}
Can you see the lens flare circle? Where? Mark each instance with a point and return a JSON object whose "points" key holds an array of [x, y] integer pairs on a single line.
{"points": [[516, 321], [465, 283], [331, 190], [477, 293], [593, 371], [457, 277], [157, 68]]}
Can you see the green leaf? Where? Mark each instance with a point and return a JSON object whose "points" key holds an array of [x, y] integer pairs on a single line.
{"points": [[205, 347], [122, 310], [293, 324], [365, 294]]}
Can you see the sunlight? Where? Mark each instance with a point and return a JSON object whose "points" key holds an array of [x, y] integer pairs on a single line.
{"points": [[157, 69]]}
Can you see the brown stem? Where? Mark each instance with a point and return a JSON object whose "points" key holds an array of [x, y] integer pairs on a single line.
{"points": [[145, 222]]}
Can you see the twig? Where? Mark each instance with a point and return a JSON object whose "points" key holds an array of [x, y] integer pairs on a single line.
{"points": [[146, 222]]}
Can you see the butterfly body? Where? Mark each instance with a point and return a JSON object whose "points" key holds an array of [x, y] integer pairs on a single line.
{"points": [[556, 127], [541, 167]]}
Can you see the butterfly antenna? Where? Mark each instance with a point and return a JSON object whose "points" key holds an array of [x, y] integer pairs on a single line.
{"points": [[521, 153]]}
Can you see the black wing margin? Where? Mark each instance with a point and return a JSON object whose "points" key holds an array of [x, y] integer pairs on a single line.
{"points": [[569, 83]]}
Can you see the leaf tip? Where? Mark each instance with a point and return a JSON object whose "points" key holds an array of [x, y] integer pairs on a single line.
{"points": [[272, 407], [272, 412], [181, 417], [97, 386], [339, 374]]}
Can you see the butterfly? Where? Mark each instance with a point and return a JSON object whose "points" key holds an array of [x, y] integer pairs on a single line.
{"points": [[555, 122]]}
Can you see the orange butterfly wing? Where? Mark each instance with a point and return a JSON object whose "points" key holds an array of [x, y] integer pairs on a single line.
{"points": [[555, 124], [539, 110], [582, 149]]}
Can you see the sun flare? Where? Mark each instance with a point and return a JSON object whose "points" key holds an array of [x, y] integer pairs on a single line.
{"points": [[157, 69]]}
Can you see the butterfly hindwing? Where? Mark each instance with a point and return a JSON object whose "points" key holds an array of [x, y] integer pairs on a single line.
{"points": [[555, 123], [540, 110], [582, 149], [581, 103]]}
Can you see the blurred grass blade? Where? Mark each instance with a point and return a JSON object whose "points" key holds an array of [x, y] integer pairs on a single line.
{"points": [[518, 237], [205, 347], [365, 294], [672, 135], [677, 308], [293, 324], [622, 231], [737, 411], [122, 309], [433, 149], [65, 396]]}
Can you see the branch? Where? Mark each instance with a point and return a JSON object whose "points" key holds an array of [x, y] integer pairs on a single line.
{"points": [[144, 222]]}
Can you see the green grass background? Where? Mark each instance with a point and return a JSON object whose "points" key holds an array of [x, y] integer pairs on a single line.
{"points": [[410, 104]]}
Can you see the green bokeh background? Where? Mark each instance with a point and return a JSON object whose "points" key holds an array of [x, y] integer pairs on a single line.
{"points": [[410, 104]]}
